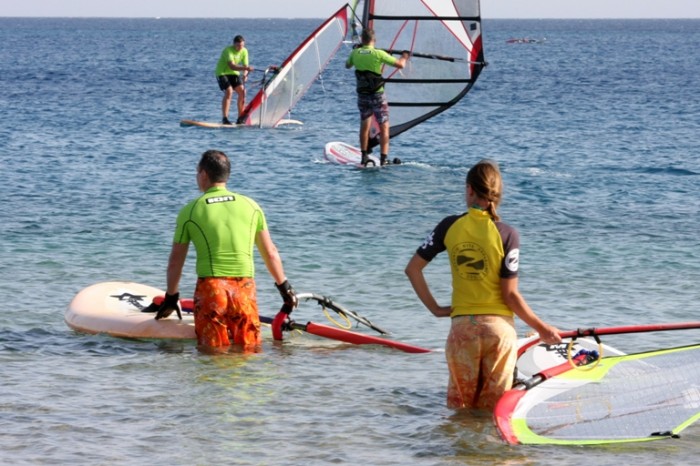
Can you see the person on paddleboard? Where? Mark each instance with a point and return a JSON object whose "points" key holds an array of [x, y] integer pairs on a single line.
{"points": [[481, 348], [223, 226], [232, 62], [368, 63]]}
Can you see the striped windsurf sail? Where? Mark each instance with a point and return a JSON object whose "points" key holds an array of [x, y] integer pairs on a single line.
{"points": [[444, 40], [283, 88], [628, 398]]}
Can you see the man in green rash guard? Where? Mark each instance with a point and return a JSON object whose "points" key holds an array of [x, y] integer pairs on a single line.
{"points": [[223, 226], [368, 63], [233, 61]]}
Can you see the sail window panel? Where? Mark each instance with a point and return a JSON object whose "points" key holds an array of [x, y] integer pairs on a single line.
{"points": [[409, 114], [426, 7], [328, 39], [626, 398], [402, 94]]}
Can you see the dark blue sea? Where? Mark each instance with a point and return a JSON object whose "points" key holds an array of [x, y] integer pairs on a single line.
{"points": [[596, 128]]}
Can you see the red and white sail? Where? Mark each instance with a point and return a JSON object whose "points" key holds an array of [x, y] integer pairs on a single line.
{"points": [[283, 89]]}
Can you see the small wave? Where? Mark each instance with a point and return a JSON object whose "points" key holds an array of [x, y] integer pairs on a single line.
{"points": [[655, 170], [64, 343], [667, 171]]}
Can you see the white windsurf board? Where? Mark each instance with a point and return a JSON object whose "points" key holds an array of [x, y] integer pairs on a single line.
{"points": [[114, 308], [345, 154], [219, 125]]}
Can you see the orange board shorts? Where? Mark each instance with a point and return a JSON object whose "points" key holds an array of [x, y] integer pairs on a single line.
{"points": [[481, 352], [226, 312]]}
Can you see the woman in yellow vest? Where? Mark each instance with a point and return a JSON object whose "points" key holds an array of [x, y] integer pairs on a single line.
{"points": [[481, 348]]}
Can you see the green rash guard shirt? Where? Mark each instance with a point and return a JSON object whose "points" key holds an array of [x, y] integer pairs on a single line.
{"points": [[223, 226], [481, 253], [367, 59], [230, 54]]}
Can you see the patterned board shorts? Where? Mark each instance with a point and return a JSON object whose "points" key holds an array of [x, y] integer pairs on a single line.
{"points": [[373, 104], [481, 352], [226, 312]]}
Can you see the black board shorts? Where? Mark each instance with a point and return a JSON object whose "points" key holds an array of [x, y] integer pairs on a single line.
{"points": [[229, 80]]}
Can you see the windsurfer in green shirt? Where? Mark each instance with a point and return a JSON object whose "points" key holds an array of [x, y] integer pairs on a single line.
{"points": [[224, 226], [368, 63], [232, 62]]}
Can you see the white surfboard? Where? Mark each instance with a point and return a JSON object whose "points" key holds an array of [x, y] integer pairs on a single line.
{"points": [[114, 308], [208, 124], [345, 154], [219, 125]]}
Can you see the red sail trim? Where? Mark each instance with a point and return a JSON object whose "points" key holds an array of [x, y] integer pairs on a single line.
{"points": [[503, 413]]}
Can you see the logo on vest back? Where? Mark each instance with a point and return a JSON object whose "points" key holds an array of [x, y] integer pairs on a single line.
{"points": [[216, 200], [470, 261], [513, 260]]}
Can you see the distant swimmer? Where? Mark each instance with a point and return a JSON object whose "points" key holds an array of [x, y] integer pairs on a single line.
{"points": [[525, 40], [233, 62]]}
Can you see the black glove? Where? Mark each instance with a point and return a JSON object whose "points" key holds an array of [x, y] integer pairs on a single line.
{"points": [[153, 307], [289, 296], [170, 303]]}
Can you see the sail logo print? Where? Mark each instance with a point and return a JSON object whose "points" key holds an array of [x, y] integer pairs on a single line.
{"points": [[216, 200], [428, 241], [470, 261], [132, 299], [513, 260]]}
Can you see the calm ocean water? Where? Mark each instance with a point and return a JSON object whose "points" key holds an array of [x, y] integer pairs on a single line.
{"points": [[598, 134]]}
